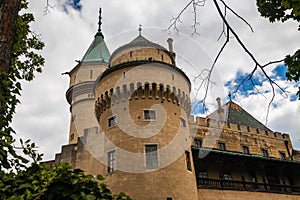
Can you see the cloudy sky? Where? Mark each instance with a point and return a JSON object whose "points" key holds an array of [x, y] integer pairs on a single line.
{"points": [[70, 26]]}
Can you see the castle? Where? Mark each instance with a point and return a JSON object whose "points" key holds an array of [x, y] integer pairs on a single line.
{"points": [[131, 122]]}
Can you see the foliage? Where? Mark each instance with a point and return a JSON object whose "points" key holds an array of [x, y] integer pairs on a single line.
{"points": [[279, 10], [24, 63], [39, 181], [283, 10]]}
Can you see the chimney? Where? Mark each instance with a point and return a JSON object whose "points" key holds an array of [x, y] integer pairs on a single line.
{"points": [[170, 42], [219, 102]]}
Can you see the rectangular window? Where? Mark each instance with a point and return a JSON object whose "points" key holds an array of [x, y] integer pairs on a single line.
{"points": [[282, 155], [239, 127], [245, 149], [151, 156], [198, 143], [188, 161], [149, 114], [202, 174], [265, 152], [112, 121], [182, 122], [221, 146], [111, 161]]}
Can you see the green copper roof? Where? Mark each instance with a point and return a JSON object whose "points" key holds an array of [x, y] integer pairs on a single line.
{"points": [[205, 150], [97, 51]]}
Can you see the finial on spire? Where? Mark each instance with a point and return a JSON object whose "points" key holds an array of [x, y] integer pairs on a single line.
{"points": [[140, 29], [99, 32], [229, 95], [100, 22]]}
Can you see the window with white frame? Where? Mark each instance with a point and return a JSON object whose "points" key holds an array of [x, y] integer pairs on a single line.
{"points": [[112, 121], [151, 155], [111, 161], [149, 114]]}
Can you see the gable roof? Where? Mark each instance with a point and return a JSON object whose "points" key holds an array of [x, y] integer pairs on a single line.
{"points": [[235, 114]]}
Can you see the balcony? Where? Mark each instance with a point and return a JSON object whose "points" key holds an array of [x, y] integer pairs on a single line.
{"points": [[208, 183]]}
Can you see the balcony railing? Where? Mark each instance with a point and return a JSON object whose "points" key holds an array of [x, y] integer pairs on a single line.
{"points": [[209, 183]]}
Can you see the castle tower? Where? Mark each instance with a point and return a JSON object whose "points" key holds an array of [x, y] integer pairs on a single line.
{"points": [[142, 106], [80, 94]]}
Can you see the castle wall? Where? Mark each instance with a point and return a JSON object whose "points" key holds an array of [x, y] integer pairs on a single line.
{"points": [[235, 137]]}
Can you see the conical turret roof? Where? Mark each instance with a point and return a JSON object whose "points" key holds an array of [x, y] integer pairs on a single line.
{"points": [[98, 50]]}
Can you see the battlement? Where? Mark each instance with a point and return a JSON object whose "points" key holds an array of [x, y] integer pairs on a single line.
{"points": [[240, 128], [147, 90]]}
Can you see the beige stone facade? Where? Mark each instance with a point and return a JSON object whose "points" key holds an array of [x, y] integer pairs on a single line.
{"points": [[131, 122]]}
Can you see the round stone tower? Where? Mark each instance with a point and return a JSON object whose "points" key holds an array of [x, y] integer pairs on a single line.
{"points": [[80, 94], [142, 105]]}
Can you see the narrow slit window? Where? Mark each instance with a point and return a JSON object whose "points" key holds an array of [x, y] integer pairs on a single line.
{"points": [[188, 161], [182, 122]]}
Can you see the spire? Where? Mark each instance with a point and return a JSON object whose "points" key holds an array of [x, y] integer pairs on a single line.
{"points": [[140, 29], [98, 50], [99, 32]]}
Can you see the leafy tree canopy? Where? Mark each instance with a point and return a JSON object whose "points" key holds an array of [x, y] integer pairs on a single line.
{"points": [[283, 10]]}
